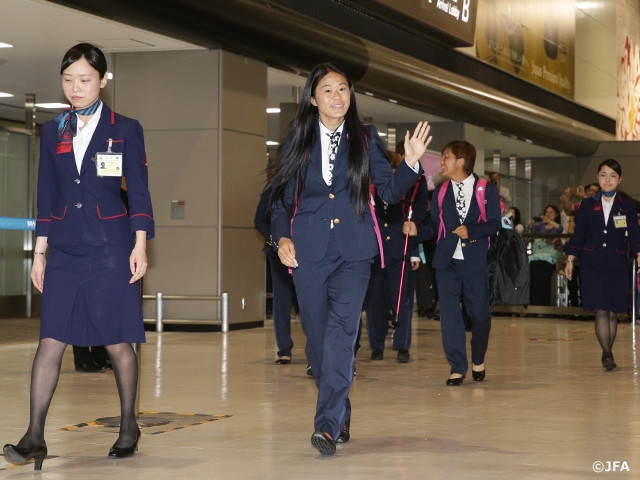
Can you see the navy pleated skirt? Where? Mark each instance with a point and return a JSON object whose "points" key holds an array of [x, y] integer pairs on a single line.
{"points": [[87, 299]]}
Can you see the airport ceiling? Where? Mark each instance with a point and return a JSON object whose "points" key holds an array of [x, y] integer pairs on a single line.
{"points": [[41, 32]]}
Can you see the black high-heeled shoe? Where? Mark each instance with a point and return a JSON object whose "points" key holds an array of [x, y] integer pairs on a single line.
{"points": [[21, 456], [122, 452]]}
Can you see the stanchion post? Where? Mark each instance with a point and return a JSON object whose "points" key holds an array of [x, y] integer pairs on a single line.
{"points": [[159, 312], [139, 360], [225, 313], [634, 293]]}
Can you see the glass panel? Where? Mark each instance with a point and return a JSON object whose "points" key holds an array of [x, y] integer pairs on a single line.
{"points": [[14, 188]]}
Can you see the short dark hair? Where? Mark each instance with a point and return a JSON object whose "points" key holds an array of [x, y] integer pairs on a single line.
{"points": [[465, 150], [612, 164], [92, 54]]}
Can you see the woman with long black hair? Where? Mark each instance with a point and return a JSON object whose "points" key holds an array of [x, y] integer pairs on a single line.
{"points": [[324, 231]]}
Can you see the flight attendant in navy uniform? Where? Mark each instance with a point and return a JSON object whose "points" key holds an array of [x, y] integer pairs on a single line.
{"points": [[96, 246], [605, 222], [460, 258], [324, 231]]}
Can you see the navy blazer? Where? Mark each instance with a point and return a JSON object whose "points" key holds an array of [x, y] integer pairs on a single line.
{"points": [[84, 208], [391, 220], [475, 247], [597, 244], [310, 228]]}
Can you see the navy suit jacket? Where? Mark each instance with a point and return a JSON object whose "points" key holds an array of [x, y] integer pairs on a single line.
{"points": [[597, 244], [310, 229], [474, 248], [84, 208], [391, 220]]}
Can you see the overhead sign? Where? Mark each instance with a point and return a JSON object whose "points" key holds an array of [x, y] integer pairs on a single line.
{"points": [[533, 39], [450, 21]]}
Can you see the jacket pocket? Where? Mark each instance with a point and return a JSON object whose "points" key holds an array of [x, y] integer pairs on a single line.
{"points": [[59, 212], [109, 212]]}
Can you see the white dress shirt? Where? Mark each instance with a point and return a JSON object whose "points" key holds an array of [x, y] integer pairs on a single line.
{"points": [[83, 136]]}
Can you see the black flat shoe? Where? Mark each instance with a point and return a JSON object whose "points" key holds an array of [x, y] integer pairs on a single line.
{"points": [[478, 376], [90, 367], [344, 434], [455, 382], [283, 361], [123, 452], [20, 456], [403, 356], [377, 355], [106, 364], [323, 442]]}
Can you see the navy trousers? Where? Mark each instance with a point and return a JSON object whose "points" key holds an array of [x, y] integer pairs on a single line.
{"points": [[382, 295], [453, 282], [330, 295], [283, 299]]}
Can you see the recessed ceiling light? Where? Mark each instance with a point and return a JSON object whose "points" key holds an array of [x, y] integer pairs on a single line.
{"points": [[2, 94], [52, 105], [271, 143], [5, 45], [273, 110]]}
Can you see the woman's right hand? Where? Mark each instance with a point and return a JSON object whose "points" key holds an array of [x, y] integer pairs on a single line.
{"points": [[287, 252], [568, 269], [409, 228], [37, 271]]}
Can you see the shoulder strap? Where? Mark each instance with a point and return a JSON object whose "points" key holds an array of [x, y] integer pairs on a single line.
{"points": [[442, 231], [481, 186]]}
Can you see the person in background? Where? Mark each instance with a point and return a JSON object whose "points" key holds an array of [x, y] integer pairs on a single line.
{"points": [[384, 284], [284, 293], [504, 192], [606, 229], [513, 213], [544, 254], [96, 247], [460, 259], [323, 230]]}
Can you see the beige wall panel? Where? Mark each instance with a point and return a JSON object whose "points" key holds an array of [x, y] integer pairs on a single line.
{"points": [[243, 273], [183, 261], [243, 160], [183, 166], [168, 90], [244, 105]]}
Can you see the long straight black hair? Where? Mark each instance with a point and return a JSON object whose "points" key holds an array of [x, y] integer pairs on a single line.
{"points": [[292, 163]]}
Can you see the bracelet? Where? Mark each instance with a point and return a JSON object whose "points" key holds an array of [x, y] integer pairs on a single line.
{"points": [[39, 253]]}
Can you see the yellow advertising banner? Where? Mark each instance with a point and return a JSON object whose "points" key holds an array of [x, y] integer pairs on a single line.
{"points": [[533, 39]]}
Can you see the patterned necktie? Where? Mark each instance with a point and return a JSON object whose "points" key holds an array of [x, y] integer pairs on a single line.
{"points": [[460, 205], [334, 140]]}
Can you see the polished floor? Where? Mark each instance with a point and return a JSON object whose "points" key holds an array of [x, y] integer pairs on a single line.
{"points": [[215, 406]]}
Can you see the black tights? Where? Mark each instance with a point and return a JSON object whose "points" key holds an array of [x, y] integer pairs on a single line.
{"points": [[44, 379], [606, 330]]}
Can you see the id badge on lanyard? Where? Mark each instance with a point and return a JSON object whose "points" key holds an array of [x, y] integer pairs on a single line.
{"points": [[109, 164]]}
